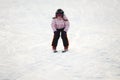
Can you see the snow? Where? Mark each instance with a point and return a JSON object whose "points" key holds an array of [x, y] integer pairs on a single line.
{"points": [[26, 35]]}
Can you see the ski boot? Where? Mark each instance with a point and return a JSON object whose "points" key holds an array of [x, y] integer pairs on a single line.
{"points": [[54, 49], [65, 49]]}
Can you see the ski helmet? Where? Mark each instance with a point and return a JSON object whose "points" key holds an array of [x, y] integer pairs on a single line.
{"points": [[60, 12]]}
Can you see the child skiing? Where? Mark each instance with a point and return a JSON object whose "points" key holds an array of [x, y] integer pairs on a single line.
{"points": [[60, 25]]}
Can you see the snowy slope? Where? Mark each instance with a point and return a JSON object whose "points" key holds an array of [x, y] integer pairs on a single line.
{"points": [[26, 35]]}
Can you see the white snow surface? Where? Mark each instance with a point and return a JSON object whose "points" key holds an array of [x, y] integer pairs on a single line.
{"points": [[26, 36]]}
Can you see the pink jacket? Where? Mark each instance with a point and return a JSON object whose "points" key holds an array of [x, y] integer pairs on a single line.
{"points": [[59, 24]]}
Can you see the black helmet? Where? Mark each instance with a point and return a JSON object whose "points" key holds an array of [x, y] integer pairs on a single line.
{"points": [[60, 11]]}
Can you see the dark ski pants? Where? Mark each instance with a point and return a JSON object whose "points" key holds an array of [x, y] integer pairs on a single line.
{"points": [[63, 36]]}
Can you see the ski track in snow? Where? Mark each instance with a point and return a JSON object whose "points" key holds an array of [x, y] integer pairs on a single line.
{"points": [[25, 41]]}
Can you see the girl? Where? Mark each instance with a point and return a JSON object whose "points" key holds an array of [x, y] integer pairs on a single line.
{"points": [[60, 25]]}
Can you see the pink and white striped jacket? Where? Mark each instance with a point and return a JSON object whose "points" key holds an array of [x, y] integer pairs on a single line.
{"points": [[59, 24]]}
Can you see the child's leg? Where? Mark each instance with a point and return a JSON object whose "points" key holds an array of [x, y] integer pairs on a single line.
{"points": [[65, 40], [55, 39]]}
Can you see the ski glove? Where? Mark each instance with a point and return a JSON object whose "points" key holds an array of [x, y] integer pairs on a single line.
{"points": [[64, 32], [55, 32]]}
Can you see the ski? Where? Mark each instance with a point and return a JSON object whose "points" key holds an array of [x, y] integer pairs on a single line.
{"points": [[64, 51], [61, 51], [55, 51]]}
